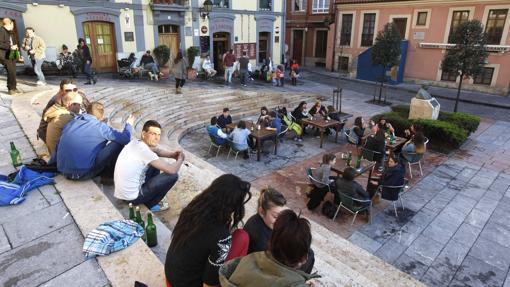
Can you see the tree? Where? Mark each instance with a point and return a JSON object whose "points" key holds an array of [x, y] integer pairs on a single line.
{"points": [[386, 50], [467, 57]]}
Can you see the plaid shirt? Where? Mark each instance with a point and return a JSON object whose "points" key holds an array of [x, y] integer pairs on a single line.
{"points": [[110, 237]]}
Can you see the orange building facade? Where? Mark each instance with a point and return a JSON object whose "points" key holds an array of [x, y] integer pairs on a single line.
{"points": [[426, 25]]}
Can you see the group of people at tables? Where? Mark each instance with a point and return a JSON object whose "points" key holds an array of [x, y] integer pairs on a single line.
{"points": [[239, 138], [391, 165], [83, 146], [210, 247]]}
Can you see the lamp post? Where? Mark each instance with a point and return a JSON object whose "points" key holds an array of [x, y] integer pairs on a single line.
{"points": [[206, 9]]}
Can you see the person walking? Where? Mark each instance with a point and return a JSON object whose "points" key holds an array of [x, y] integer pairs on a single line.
{"points": [[243, 68], [228, 60], [8, 44], [179, 70], [35, 47], [87, 61]]}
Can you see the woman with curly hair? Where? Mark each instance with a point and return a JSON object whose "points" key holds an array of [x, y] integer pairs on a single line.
{"points": [[202, 239]]}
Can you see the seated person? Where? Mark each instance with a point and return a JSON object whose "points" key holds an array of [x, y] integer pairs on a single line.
{"points": [[300, 112], [65, 60], [288, 250], [411, 132], [322, 174], [148, 63], [208, 67], [88, 147], [214, 131], [415, 146], [332, 113], [141, 177], [279, 76], [377, 144], [263, 119], [260, 226], [58, 115], [318, 110], [357, 131], [385, 126], [204, 236], [348, 186], [224, 119], [393, 176], [275, 122], [241, 140]]}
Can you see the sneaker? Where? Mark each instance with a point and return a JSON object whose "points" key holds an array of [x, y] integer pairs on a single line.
{"points": [[87, 83], [300, 139], [151, 75], [161, 206], [94, 80], [40, 83], [14, 92]]}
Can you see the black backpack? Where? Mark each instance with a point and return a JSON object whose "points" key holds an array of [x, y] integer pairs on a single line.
{"points": [[329, 209]]}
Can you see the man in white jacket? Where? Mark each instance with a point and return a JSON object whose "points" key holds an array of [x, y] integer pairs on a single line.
{"points": [[208, 67]]}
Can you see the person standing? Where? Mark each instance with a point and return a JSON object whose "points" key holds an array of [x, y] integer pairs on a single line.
{"points": [[243, 68], [87, 61], [229, 59], [8, 43], [179, 70], [35, 47]]}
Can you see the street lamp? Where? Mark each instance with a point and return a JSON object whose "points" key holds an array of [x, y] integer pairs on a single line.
{"points": [[206, 9]]}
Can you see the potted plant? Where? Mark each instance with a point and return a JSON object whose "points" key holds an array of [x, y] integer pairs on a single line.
{"points": [[191, 53], [162, 54]]}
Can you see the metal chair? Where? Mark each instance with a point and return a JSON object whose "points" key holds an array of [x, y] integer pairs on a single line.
{"points": [[314, 181], [372, 155], [235, 151], [215, 145], [412, 158], [393, 194], [354, 206], [350, 139]]}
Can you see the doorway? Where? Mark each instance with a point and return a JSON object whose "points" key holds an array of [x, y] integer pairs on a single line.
{"points": [[264, 45], [100, 37], [169, 36], [221, 44], [401, 24], [297, 45]]}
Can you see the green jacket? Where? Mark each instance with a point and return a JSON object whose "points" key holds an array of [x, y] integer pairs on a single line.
{"points": [[260, 269]]}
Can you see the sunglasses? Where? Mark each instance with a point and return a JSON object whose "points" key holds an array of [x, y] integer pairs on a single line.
{"points": [[71, 90]]}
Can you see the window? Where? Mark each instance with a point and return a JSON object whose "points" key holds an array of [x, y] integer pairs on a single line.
{"points": [[321, 40], [299, 5], [343, 64], [448, 77], [265, 5], [320, 6], [163, 29], [421, 19], [458, 18], [220, 3], [495, 25], [485, 78], [367, 37], [345, 34]]}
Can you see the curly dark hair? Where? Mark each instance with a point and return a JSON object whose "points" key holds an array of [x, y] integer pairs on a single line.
{"points": [[220, 203]]}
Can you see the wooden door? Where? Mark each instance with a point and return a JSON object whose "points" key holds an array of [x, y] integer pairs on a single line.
{"points": [[263, 46], [100, 37], [297, 45], [172, 40], [401, 24], [220, 47]]}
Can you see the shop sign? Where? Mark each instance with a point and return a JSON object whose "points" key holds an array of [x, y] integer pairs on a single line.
{"points": [[250, 48], [98, 17], [223, 25], [266, 25]]}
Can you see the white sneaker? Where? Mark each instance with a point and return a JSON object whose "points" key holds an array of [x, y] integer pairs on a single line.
{"points": [[40, 83], [151, 75]]}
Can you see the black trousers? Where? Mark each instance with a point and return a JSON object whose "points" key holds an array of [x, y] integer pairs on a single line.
{"points": [[179, 82], [10, 66]]}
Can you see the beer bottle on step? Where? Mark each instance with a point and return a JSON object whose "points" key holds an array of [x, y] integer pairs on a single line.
{"points": [[349, 159], [150, 232], [140, 221], [15, 156], [132, 213]]}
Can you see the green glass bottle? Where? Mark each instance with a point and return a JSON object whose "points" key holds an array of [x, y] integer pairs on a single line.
{"points": [[15, 156], [140, 221], [349, 159], [132, 213], [150, 232], [358, 162]]}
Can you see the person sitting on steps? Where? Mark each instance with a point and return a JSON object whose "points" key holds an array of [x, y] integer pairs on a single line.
{"points": [[216, 133]]}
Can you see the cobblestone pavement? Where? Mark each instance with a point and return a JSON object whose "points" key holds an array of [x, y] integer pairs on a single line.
{"points": [[455, 227], [40, 244]]}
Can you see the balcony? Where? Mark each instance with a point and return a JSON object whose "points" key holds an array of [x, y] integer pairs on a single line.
{"points": [[221, 4], [169, 5], [265, 5]]}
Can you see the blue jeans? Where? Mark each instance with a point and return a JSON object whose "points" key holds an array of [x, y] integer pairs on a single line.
{"points": [[244, 76], [87, 69], [153, 67], [156, 186], [104, 163], [37, 63]]}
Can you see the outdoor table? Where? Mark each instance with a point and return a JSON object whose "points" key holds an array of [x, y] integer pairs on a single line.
{"points": [[344, 116], [365, 166], [261, 135], [232, 126], [322, 125], [397, 142]]}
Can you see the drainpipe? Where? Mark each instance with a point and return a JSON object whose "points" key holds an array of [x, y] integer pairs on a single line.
{"points": [[283, 29]]}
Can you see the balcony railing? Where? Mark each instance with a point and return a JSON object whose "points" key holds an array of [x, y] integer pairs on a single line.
{"points": [[221, 4], [265, 5]]}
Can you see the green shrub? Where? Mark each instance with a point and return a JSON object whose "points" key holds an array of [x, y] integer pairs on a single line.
{"points": [[191, 52], [465, 121], [162, 54], [402, 110], [444, 135]]}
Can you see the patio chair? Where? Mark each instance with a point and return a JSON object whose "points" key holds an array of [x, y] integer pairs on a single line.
{"points": [[372, 155], [354, 206], [215, 145], [350, 139], [235, 151], [393, 194], [412, 158], [314, 181]]}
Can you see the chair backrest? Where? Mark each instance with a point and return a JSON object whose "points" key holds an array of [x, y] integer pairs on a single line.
{"points": [[346, 200], [391, 192], [313, 180], [350, 138], [412, 157], [371, 155]]}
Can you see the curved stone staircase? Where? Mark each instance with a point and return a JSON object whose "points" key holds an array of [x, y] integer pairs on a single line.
{"points": [[339, 262]]}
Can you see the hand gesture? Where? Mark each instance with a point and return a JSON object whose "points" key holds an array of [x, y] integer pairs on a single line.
{"points": [[14, 47], [181, 156], [130, 120]]}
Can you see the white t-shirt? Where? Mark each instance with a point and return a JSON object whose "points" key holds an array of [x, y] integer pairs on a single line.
{"points": [[130, 169]]}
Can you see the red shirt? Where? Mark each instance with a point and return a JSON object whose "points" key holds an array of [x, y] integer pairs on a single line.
{"points": [[229, 60]]}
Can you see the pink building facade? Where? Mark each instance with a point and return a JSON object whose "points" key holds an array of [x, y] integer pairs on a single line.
{"points": [[427, 26]]}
